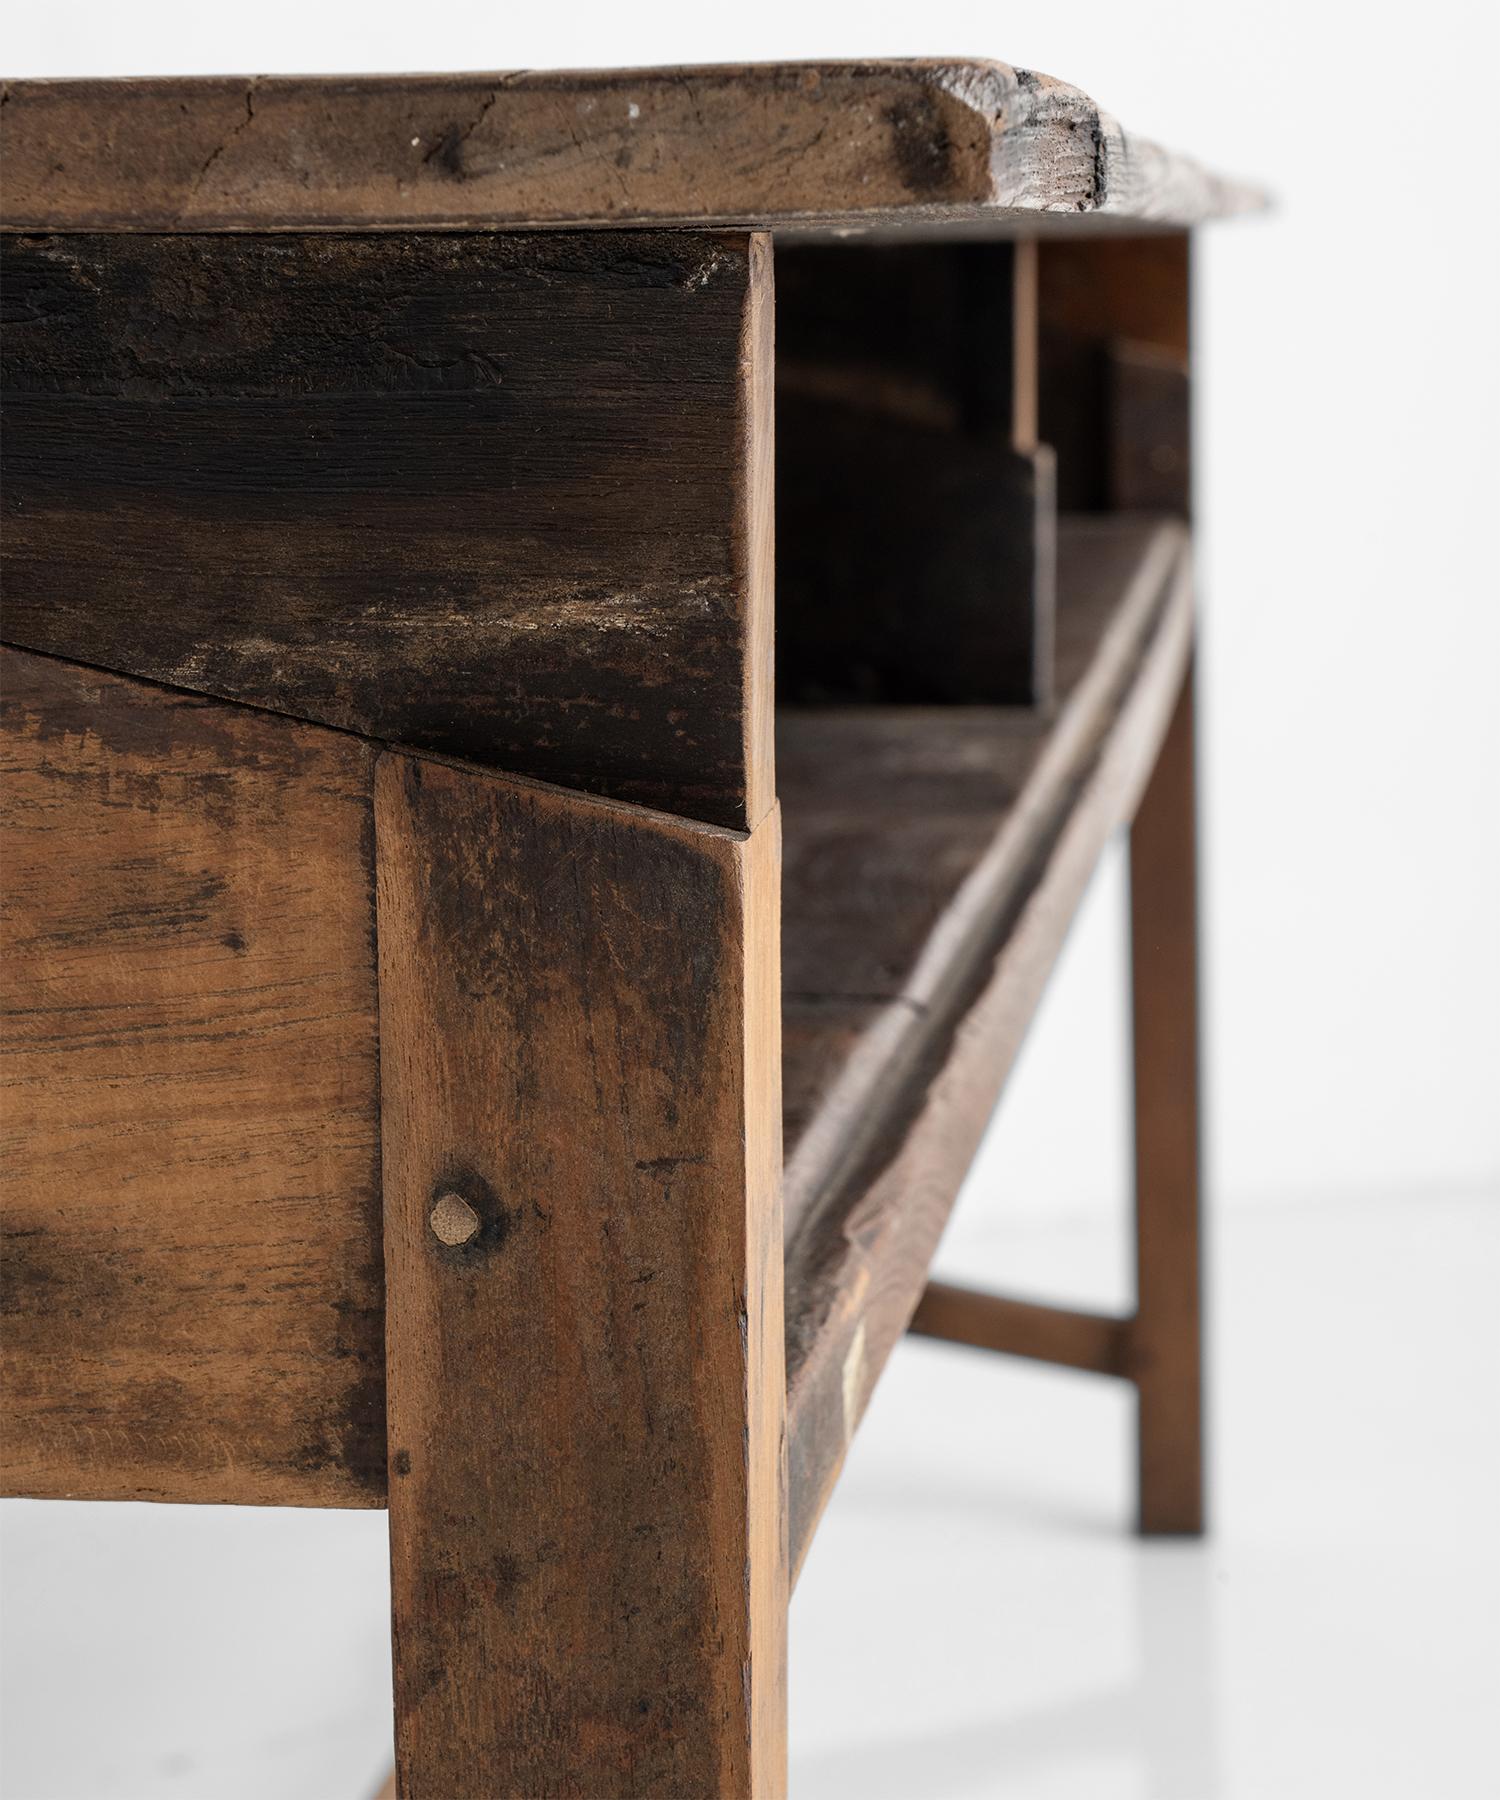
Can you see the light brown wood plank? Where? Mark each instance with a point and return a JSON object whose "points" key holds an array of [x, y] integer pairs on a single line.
{"points": [[943, 144], [580, 1074], [191, 1210], [874, 1176]]}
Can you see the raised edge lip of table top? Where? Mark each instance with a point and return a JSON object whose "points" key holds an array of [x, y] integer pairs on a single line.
{"points": [[951, 145]]}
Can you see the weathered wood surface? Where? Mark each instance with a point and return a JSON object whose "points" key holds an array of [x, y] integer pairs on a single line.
{"points": [[915, 523], [889, 810], [190, 1198], [871, 1180], [1166, 1338], [939, 142], [580, 1067], [506, 498]]}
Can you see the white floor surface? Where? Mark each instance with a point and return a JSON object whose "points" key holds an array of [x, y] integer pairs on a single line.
{"points": [[975, 1619]]}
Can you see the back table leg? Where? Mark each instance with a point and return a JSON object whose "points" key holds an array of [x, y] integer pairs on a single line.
{"points": [[1165, 1357]]}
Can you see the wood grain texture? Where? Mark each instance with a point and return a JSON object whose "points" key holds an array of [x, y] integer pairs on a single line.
{"points": [[579, 1039], [1166, 1339], [938, 142], [506, 498], [870, 1183], [192, 1270]]}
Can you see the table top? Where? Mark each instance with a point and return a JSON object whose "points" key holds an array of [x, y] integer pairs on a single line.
{"points": [[952, 147]]}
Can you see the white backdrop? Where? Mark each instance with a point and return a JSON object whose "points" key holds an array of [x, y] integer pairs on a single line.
{"points": [[1347, 435]]}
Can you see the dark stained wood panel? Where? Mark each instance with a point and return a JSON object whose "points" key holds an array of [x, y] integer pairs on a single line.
{"points": [[915, 328], [190, 1201], [579, 1066], [913, 564], [958, 142], [500, 497], [912, 973], [915, 519]]}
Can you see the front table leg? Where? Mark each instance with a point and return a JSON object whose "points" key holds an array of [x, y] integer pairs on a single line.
{"points": [[580, 1079]]}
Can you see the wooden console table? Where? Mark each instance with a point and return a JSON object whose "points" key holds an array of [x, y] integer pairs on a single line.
{"points": [[468, 1050]]}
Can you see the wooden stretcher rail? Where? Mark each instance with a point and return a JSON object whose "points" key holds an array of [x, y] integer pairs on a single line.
{"points": [[1094, 1342], [880, 1143]]}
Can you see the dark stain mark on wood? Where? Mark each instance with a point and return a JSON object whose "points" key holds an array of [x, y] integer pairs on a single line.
{"points": [[921, 147], [667, 1165], [42, 1279]]}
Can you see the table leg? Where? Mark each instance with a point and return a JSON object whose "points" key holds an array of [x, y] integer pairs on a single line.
{"points": [[1166, 1337], [580, 1074]]}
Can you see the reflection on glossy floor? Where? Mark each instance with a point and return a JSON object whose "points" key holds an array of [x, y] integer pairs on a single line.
{"points": [[974, 1620]]}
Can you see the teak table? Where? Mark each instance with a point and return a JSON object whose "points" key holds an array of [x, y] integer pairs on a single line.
{"points": [[412, 978]]}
